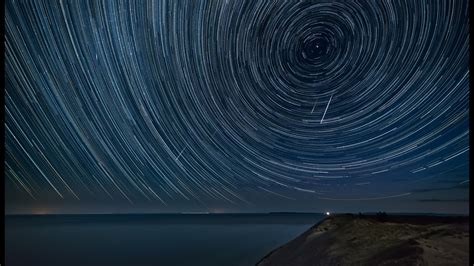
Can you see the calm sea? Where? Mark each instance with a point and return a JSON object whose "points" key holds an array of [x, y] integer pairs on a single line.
{"points": [[149, 239]]}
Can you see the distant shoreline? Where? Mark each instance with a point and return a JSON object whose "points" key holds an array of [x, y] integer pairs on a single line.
{"points": [[237, 213]]}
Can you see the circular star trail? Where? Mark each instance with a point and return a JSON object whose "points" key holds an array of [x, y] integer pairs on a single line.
{"points": [[216, 100]]}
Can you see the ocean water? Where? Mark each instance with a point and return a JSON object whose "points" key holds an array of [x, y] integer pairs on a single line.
{"points": [[158, 239]]}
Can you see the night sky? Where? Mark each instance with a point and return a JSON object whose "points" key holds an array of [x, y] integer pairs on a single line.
{"points": [[236, 106]]}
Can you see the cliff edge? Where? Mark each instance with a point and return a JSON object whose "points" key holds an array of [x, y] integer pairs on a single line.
{"points": [[348, 239]]}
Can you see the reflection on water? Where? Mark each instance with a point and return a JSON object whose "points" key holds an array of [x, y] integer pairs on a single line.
{"points": [[224, 239]]}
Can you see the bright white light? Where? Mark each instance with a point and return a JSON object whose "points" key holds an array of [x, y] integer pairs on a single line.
{"points": [[327, 213]]}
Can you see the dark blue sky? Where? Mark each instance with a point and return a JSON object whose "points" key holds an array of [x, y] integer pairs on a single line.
{"points": [[247, 106]]}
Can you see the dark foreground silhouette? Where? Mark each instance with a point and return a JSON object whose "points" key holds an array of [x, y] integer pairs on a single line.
{"points": [[380, 239]]}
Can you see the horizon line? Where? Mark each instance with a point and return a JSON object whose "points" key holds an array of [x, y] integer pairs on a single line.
{"points": [[241, 213]]}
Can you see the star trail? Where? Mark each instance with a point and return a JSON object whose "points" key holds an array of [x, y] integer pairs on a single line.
{"points": [[243, 103]]}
